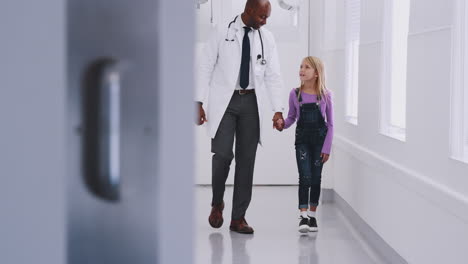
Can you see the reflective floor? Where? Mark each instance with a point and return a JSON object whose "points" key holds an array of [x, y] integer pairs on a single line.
{"points": [[274, 217]]}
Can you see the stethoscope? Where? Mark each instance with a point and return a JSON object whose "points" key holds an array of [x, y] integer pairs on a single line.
{"points": [[262, 57]]}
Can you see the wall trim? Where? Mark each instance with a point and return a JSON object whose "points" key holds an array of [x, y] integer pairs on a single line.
{"points": [[438, 194], [327, 196], [430, 30], [371, 241]]}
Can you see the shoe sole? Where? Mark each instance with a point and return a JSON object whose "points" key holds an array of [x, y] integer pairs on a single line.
{"points": [[303, 229], [313, 229], [240, 232]]}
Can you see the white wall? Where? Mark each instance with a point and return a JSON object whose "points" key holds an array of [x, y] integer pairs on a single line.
{"points": [[276, 162], [412, 193]]}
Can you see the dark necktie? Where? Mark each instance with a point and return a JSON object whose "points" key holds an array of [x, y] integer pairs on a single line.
{"points": [[245, 62]]}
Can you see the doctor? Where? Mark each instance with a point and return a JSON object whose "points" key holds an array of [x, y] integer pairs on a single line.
{"points": [[239, 76]]}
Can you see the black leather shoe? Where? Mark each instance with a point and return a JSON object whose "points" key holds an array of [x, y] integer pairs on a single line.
{"points": [[216, 216]]}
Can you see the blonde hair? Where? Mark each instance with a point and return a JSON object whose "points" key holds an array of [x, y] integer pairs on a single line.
{"points": [[317, 65]]}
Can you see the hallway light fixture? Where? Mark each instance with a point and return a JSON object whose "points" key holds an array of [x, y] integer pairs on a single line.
{"points": [[200, 2], [293, 7], [287, 6]]}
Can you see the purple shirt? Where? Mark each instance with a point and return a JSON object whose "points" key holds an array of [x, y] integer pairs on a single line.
{"points": [[326, 108]]}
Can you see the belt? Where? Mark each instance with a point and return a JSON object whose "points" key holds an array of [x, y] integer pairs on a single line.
{"points": [[243, 91]]}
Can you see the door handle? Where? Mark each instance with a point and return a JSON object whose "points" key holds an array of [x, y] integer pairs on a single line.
{"points": [[101, 107]]}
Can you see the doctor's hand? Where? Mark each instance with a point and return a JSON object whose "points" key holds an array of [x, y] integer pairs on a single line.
{"points": [[201, 115]]}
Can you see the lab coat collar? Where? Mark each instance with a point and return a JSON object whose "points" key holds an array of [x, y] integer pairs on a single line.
{"points": [[239, 25]]}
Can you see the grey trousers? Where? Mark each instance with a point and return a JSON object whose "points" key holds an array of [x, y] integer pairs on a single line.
{"points": [[242, 122]]}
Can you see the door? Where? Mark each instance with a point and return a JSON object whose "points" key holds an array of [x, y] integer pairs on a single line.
{"points": [[124, 126]]}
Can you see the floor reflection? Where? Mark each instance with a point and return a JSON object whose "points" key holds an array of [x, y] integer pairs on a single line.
{"points": [[276, 239], [308, 248]]}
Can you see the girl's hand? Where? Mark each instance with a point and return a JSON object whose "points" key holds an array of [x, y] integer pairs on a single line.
{"points": [[279, 124], [324, 157]]}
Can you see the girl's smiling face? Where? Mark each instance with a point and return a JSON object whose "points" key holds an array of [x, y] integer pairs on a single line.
{"points": [[307, 72]]}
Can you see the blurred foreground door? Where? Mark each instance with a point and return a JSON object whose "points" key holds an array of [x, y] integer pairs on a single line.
{"points": [[129, 131]]}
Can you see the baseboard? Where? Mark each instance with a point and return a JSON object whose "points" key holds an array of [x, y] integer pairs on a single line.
{"points": [[327, 196], [377, 245]]}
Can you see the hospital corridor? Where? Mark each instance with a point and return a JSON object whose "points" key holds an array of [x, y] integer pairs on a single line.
{"points": [[234, 132]]}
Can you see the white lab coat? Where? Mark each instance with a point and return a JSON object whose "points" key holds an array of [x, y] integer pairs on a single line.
{"points": [[219, 68]]}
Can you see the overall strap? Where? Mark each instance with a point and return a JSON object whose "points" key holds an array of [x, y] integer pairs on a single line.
{"points": [[297, 94]]}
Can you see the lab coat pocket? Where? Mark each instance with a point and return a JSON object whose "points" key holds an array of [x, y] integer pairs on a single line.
{"points": [[259, 70]]}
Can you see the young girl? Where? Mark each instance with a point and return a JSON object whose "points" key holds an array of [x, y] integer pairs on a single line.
{"points": [[311, 105]]}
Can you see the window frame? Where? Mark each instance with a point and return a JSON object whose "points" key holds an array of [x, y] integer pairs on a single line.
{"points": [[395, 56], [352, 45]]}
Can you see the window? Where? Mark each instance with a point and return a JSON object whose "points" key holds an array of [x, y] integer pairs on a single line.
{"points": [[353, 17], [459, 93], [393, 101]]}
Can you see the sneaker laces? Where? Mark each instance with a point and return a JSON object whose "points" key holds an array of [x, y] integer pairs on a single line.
{"points": [[304, 221], [313, 221]]}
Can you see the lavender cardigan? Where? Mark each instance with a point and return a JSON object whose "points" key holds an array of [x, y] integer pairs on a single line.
{"points": [[326, 108]]}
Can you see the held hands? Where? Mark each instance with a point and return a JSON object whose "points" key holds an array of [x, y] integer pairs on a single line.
{"points": [[278, 121], [280, 124], [201, 118]]}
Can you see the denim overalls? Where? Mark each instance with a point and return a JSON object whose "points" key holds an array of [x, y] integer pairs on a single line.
{"points": [[310, 135]]}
